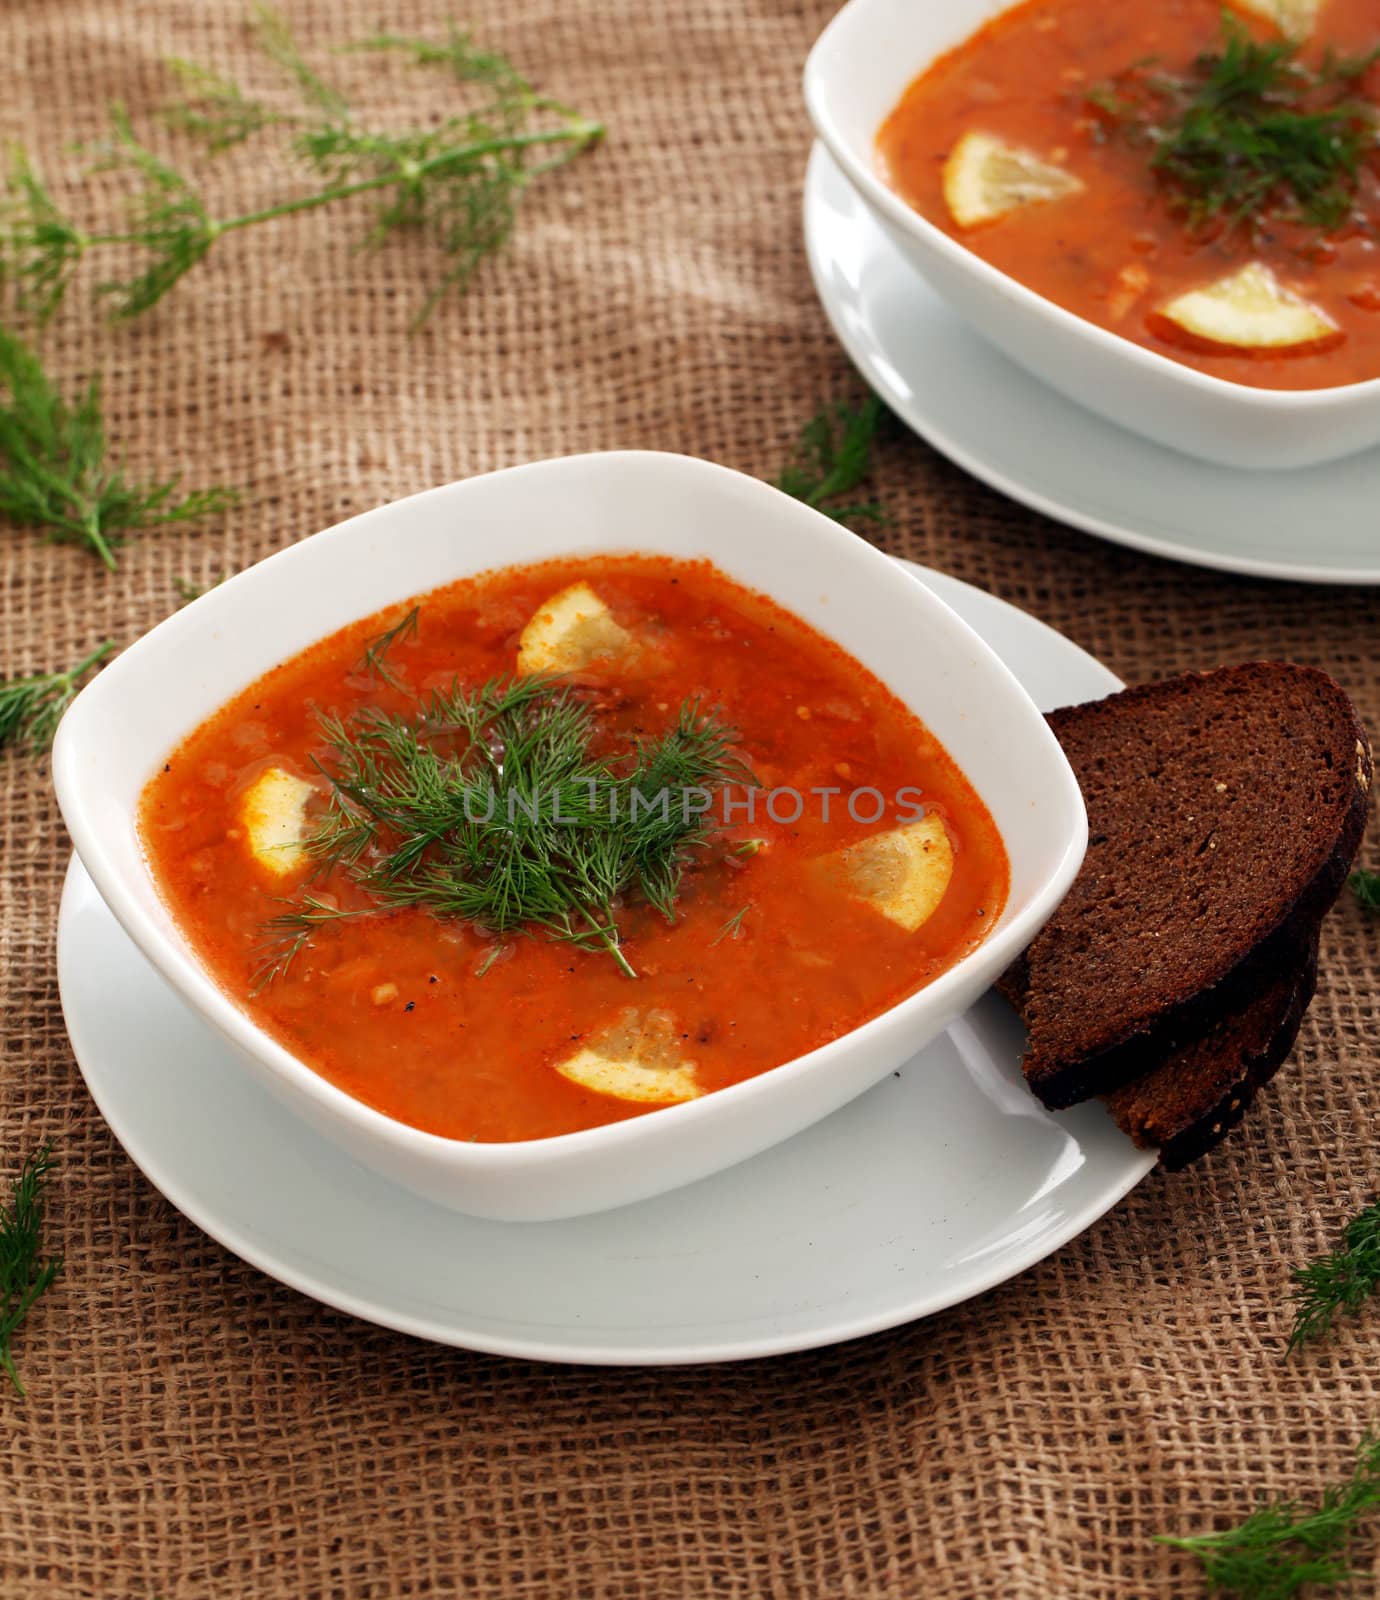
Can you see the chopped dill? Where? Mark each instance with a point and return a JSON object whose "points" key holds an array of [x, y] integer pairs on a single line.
{"points": [[1340, 1282], [25, 1272], [1250, 131], [491, 806], [833, 455], [287, 935], [731, 927], [31, 708], [1281, 1548], [375, 661], [494, 952]]}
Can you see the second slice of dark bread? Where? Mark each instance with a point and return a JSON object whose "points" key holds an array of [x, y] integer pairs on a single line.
{"points": [[1224, 809], [1203, 1089]]}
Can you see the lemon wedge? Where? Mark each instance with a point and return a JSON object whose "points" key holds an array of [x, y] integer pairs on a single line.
{"points": [[904, 872], [273, 811], [636, 1059], [1294, 17], [570, 630], [1251, 310], [985, 179]]}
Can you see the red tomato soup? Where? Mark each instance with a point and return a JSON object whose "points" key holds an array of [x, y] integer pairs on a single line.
{"points": [[1119, 99], [372, 943]]}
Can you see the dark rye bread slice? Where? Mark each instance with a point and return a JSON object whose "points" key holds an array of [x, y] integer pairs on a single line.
{"points": [[1189, 1104], [1224, 809]]}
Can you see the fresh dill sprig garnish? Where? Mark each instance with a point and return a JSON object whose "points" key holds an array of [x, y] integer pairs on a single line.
{"points": [[457, 181], [31, 708], [1250, 131], [731, 927], [1340, 1282], [833, 455], [1281, 1548], [1365, 885], [375, 660], [25, 1272], [491, 806], [287, 935], [54, 470]]}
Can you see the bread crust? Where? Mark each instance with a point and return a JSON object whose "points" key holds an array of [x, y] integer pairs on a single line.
{"points": [[1195, 1097], [1204, 1135]]}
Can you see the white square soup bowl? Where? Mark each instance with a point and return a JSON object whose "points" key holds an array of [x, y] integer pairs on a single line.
{"points": [[860, 66], [124, 724]]}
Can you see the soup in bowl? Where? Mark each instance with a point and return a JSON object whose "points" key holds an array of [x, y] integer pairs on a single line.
{"points": [[1168, 212], [566, 844], [546, 884]]}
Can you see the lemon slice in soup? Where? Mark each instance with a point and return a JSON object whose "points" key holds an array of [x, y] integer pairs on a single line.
{"points": [[904, 872], [1294, 17], [1250, 309], [569, 631], [273, 811], [984, 179], [637, 1059]]}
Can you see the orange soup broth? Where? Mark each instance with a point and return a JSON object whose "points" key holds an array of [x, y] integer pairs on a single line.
{"points": [[1118, 250], [472, 1057]]}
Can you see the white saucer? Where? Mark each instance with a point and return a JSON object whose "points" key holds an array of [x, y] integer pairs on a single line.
{"points": [[1316, 525], [944, 1181]]}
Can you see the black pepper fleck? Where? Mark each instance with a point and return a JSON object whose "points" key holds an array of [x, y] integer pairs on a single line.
{"points": [[410, 1006]]}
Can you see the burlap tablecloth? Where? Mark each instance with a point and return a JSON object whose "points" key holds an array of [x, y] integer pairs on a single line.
{"points": [[194, 1429]]}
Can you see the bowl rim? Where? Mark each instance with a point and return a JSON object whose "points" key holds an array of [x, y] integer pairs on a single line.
{"points": [[818, 84], [172, 954]]}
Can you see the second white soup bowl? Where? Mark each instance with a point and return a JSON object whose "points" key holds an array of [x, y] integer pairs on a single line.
{"points": [[859, 68]]}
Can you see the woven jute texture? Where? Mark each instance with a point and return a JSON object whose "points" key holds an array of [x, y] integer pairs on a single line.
{"points": [[194, 1429]]}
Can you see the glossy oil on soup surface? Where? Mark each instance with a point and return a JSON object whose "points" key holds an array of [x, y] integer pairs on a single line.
{"points": [[774, 950], [1076, 84]]}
